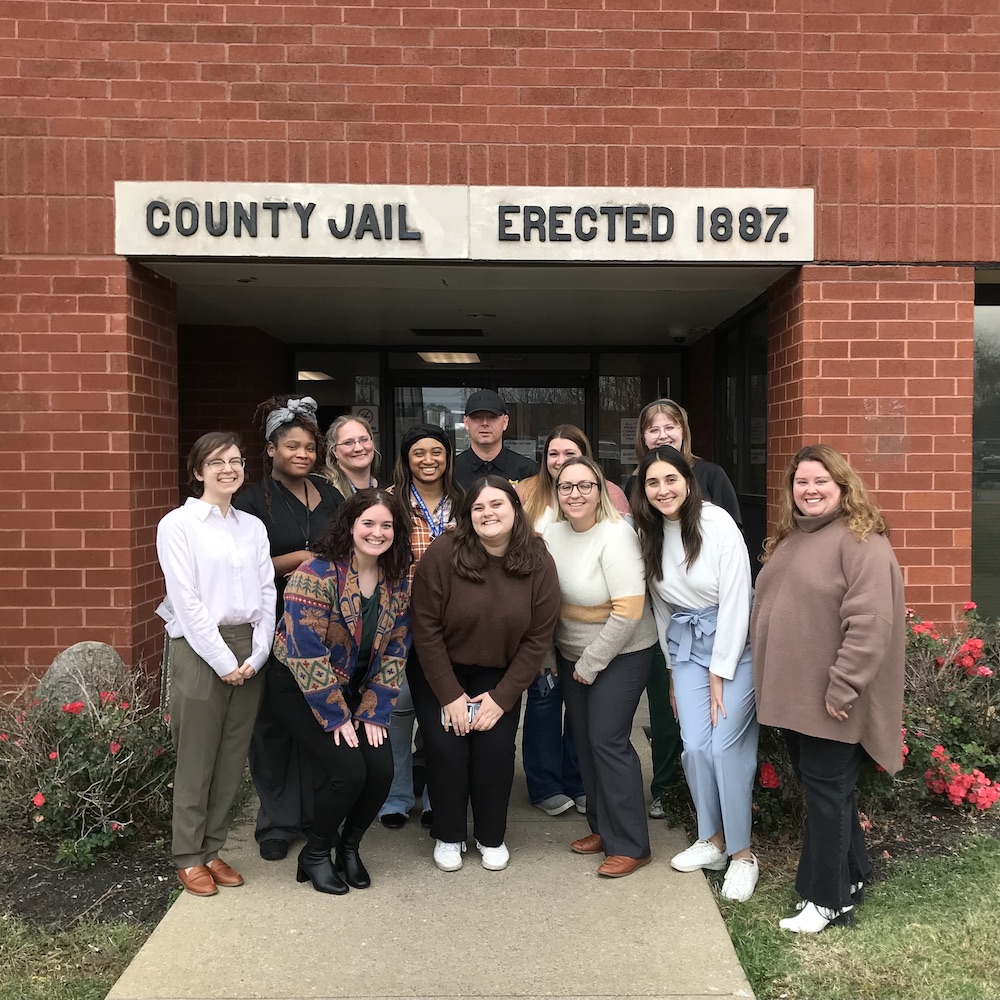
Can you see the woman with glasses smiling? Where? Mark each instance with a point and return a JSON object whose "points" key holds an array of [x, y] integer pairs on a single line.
{"points": [[219, 614], [604, 641], [351, 455]]}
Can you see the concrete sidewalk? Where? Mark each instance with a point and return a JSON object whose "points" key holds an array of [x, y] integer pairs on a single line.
{"points": [[548, 926]]}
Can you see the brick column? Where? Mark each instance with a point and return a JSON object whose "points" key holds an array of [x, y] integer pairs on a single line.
{"points": [[877, 362], [88, 410]]}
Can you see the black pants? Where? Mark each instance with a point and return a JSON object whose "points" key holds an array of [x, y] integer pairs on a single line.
{"points": [[355, 780], [478, 768], [600, 716], [834, 854], [282, 773]]}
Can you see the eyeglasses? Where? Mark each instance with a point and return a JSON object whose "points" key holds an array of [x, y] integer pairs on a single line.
{"points": [[218, 464], [584, 488], [351, 442]]}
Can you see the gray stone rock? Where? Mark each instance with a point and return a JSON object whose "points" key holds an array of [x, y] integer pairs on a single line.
{"points": [[81, 672]]}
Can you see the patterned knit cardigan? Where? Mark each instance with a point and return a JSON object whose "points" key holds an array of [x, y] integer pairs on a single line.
{"points": [[320, 633]]}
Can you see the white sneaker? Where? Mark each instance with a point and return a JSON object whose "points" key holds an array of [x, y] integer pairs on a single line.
{"points": [[448, 857], [701, 854], [555, 805], [494, 858], [812, 919], [656, 810], [741, 879]]}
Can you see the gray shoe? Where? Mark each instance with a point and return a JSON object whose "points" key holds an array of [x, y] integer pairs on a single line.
{"points": [[656, 810], [555, 805], [581, 804]]}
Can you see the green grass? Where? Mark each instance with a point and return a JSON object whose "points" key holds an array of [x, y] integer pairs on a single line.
{"points": [[929, 931], [77, 961]]}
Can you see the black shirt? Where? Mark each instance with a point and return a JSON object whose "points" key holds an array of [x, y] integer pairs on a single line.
{"points": [[290, 525], [508, 464]]}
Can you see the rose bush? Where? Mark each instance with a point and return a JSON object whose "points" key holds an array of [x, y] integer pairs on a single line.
{"points": [[85, 774], [950, 736]]}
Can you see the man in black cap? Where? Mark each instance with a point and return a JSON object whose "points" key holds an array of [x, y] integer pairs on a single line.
{"points": [[486, 419]]}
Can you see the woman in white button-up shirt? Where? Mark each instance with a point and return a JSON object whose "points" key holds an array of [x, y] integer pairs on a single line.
{"points": [[219, 615]]}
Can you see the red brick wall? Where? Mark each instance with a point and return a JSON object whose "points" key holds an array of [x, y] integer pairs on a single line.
{"points": [[225, 372], [877, 362], [88, 415], [892, 114]]}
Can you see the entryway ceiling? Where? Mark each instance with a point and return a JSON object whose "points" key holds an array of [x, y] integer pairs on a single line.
{"points": [[381, 304]]}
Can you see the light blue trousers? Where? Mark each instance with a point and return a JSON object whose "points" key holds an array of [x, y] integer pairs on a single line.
{"points": [[400, 798], [720, 762]]}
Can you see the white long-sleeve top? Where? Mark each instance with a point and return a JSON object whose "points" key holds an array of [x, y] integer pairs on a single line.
{"points": [[719, 576], [218, 572]]}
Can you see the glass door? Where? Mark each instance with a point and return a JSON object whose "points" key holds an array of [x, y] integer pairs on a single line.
{"points": [[535, 405]]}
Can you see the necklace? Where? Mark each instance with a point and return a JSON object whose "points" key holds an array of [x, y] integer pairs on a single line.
{"points": [[354, 489], [307, 532], [436, 529]]}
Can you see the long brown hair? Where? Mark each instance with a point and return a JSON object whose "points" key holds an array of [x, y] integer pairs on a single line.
{"points": [[337, 542], [649, 522], [861, 515], [540, 490], [525, 553]]}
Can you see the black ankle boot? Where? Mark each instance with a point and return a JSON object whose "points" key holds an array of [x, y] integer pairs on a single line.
{"points": [[349, 862], [316, 866]]}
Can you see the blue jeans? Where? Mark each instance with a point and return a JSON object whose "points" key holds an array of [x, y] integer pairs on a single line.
{"points": [[547, 750], [401, 798]]}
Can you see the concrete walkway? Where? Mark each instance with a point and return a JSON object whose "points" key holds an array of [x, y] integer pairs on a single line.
{"points": [[548, 926]]}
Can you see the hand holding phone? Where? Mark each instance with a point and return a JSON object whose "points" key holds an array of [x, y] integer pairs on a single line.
{"points": [[545, 683], [456, 715]]}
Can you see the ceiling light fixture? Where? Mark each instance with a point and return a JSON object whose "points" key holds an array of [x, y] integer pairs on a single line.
{"points": [[313, 376], [448, 358]]}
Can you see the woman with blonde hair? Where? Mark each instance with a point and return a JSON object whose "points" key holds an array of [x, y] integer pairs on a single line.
{"points": [[828, 635], [664, 422], [604, 640], [551, 765], [351, 455]]}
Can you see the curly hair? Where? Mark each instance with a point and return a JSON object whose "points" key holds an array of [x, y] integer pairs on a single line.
{"points": [[526, 552], [649, 522], [538, 492], [337, 544], [331, 468], [677, 414], [605, 508], [260, 416], [861, 515]]}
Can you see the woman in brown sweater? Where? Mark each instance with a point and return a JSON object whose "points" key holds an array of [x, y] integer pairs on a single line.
{"points": [[828, 637], [484, 609]]}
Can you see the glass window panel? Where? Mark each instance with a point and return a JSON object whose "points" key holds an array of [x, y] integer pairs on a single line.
{"points": [[986, 462]]}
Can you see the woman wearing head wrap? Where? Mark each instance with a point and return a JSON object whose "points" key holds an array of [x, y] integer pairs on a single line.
{"points": [[296, 506], [425, 485]]}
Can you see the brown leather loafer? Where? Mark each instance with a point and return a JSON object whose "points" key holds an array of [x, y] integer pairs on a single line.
{"points": [[591, 844], [222, 874], [618, 865], [198, 881]]}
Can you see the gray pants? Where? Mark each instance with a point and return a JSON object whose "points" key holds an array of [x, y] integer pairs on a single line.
{"points": [[210, 723], [600, 716]]}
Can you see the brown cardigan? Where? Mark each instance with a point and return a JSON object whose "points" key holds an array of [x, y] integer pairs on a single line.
{"points": [[828, 625], [504, 622]]}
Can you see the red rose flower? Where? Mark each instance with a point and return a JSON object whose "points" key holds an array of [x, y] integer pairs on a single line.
{"points": [[114, 747], [769, 776], [74, 707], [39, 800]]}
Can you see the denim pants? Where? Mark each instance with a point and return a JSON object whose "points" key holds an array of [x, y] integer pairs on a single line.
{"points": [[720, 761], [401, 798], [834, 854], [549, 755]]}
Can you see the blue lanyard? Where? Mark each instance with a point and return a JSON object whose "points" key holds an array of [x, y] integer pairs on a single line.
{"points": [[354, 489], [436, 529]]}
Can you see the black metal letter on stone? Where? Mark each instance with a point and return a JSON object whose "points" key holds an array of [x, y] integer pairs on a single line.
{"points": [[153, 228], [585, 213], [275, 208], [342, 234], [368, 223], [217, 228], [190, 227], [242, 219], [505, 222], [556, 235], [304, 212], [633, 214], [404, 233], [657, 213]]}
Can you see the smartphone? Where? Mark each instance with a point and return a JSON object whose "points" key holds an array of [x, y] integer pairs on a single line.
{"points": [[473, 707], [545, 683]]}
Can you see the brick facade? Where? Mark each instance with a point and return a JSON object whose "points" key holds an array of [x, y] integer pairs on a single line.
{"points": [[891, 114]]}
